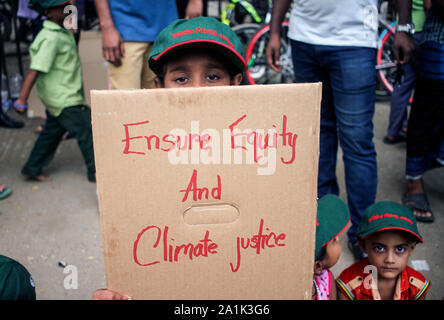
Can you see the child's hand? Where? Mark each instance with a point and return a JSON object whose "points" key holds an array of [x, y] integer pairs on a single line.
{"points": [[20, 105], [105, 294]]}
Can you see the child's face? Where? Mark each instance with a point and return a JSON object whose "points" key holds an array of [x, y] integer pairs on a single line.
{"points": [[389, 252], [333, 252], [196, 70]]}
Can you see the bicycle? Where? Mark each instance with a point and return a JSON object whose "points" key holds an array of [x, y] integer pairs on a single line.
{"points": [[239, 12], [259, 71], [235, 13], [385, 67]]}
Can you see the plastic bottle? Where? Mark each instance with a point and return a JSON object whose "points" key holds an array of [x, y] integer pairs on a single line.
{"points": [[4, 94], [15, 85]]}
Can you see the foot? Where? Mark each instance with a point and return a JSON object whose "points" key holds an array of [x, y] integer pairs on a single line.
{"points": [[393, 139], [4, 191], [416, 200], [38, 129], [356, 250], [40, 178], [418, 203], [8, 122]]}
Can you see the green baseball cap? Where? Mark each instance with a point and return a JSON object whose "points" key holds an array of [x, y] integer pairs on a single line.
{"points": [[202, 33], [332, 218], [42, 5], [15, 281], [386, 215]]}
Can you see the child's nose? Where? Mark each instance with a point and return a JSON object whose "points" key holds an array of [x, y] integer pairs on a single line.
{"points": [[390, 257]]}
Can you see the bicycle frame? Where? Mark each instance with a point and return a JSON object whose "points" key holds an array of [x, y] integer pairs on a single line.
{"points": [[248, 7]]}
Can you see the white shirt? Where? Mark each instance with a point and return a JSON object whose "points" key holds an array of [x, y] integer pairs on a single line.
{"points": [[335, 22]]}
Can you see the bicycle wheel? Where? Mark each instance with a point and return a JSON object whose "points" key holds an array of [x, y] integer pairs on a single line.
{"points": [[259, 72], [245, 32], [5, 27], [386, 69]]}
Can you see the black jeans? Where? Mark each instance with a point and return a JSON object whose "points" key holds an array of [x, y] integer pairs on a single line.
{"points": [[76, 120]]}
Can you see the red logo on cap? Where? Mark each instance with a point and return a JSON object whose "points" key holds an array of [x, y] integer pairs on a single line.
{"points": [[389, 215]]}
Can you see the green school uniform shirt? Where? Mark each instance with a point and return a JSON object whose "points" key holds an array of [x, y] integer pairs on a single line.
{"points": [[54, 54], [418, 14]]}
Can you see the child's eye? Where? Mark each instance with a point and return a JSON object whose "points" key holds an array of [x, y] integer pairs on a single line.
{"points": [[400, 249], [181, 80], [213, 77], [379, 248]]}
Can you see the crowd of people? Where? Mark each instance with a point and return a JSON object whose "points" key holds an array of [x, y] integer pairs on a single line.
{"points": [[333, 43]]}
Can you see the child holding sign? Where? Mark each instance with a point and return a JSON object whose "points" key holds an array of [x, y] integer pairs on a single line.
{"points": [[388, 234], [332, 218], [198, 52], [56, 70]]}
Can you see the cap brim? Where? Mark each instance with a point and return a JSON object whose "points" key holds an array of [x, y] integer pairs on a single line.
{"points": [[232, 55], [375, 230]]}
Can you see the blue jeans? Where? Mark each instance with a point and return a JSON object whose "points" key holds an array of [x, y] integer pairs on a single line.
{"points": [[401, 93], [348, 79]]}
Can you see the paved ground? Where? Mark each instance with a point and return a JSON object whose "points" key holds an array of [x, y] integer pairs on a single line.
{"points": [[46, 225]]}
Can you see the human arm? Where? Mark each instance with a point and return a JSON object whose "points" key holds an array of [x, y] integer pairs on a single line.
{"points": [[280, 7], [112, 43], [403, 43], [426, 5], [194, 9], [440, 6], [27, 86], [105, 294]]}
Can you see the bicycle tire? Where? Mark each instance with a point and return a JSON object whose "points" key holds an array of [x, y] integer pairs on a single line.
{"points": [[384, 55], [245, 32], [259, 72], [5, 27]]}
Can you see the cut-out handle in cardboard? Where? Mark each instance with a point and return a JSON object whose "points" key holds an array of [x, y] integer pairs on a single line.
{"points": [[211, 214]]}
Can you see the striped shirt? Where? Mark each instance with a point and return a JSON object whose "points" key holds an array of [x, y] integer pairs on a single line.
{"points": [[354, 284], [433, 29]]}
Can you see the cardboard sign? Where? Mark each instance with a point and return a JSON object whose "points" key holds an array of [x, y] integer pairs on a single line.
{"points": [[208, 193]]}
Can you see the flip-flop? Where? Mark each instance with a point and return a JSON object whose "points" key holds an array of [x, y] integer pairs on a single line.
{"points": [[5, 193], [418, 202], [394, 139]]}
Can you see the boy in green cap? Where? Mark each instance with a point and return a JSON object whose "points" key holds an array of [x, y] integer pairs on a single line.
{"points": [[388, 234], [55, 68], [15, 281], [332, 218], [197, 52]]}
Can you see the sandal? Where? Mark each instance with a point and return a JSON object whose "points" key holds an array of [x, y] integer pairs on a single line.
{"points": [[418, 202], [393, 139], [4, 192]]}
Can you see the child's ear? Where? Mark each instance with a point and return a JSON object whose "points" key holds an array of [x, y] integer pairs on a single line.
{"points": [[318, 267], [236, 79]]}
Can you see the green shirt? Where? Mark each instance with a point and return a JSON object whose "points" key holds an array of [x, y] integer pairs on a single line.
{"points": [[418, 14], [54, 54]]}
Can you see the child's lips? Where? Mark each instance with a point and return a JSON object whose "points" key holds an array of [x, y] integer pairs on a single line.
{"points": [[389, 269]]}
